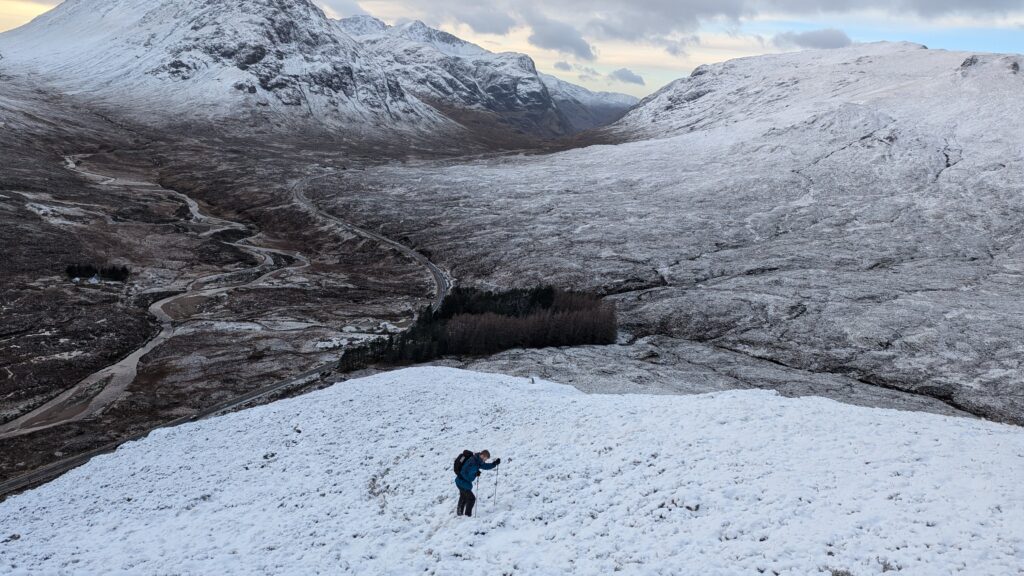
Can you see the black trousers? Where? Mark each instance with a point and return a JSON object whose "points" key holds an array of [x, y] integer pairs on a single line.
{"points": [[466, 502]]}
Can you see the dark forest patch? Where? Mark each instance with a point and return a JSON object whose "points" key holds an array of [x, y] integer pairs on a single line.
{"points": [[477, 323]]}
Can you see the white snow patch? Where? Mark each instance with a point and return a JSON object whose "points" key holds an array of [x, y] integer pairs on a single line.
{"points": [[218, 325], [390, 328], [333, 343], [56, 215], [59, 356], [356, 480]]}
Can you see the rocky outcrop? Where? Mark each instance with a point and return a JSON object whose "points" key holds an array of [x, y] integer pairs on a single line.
{"points": [[462, 79]]}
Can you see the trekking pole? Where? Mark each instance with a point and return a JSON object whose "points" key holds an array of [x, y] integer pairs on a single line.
{"points": [[497, 473]]}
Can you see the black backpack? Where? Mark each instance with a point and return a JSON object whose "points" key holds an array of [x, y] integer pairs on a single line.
{"points": [[466, 455]]}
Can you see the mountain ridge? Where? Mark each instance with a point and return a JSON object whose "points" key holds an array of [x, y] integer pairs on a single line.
{"points": [[742, 88], [268, 64], [448, 68]]}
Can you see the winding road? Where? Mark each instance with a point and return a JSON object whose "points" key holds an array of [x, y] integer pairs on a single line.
{"points": [[91, 395], [442, 281], [97, 391]]}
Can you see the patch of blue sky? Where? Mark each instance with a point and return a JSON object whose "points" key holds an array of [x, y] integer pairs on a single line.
{"points": [[1009, 39]]}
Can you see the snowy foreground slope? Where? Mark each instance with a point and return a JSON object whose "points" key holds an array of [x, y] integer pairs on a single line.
{"points": [[356, 480]]}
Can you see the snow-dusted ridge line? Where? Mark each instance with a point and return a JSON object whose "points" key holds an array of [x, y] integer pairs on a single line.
{"points": [[356, 479], [757, 83], [442, 67]]}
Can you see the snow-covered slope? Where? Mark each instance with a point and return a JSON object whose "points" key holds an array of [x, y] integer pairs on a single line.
{"points": [[931, 91], [241, 59], [356, 480], [853, 213], [584, 109], [475, 86]]}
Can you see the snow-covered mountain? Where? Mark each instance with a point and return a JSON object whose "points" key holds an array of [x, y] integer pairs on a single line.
{"points": [[234, 59], [584, 109], [356, 479], [282, 63], [929, 92], [473, 85]]}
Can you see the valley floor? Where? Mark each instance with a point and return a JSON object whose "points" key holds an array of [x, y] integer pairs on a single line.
{"points": [[356, 479]]}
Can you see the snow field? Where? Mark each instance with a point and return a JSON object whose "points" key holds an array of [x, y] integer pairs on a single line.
{"points": [[357, 479]]}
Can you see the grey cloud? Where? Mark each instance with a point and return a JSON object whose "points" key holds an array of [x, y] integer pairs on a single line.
{"points": [[663, 22], [678, 46], [652, 19], [828, 38], [569, 25], [557, 35], [563, 66], [658, 20], [627, 76], [487, 21], [344, 8], [587, 73], [928, 8], [500, 16], [484, 17]]}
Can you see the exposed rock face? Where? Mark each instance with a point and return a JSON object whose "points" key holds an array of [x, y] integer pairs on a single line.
{"points": [[461, 77]]}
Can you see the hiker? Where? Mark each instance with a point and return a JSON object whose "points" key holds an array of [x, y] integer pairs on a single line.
{"points": [[467, 469]]}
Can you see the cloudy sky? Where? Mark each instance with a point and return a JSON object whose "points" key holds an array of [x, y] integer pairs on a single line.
{"points": [[637, 46]]}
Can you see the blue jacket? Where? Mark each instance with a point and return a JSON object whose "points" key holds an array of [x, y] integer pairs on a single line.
{"points": [[469, 470]]}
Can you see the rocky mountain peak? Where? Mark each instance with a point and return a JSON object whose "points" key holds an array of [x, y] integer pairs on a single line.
{"points": [[361, 25], [449, 44]]}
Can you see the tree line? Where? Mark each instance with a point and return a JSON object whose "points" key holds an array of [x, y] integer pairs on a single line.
{"points": [[111, 273], [472, 322]]}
